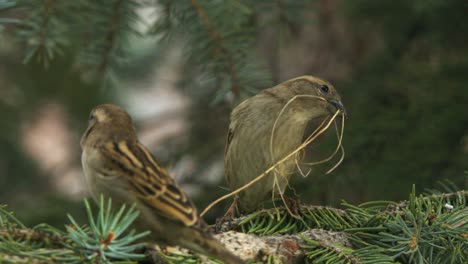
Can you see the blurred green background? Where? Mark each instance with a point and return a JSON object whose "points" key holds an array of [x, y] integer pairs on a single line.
{"points": [[179, 67]]}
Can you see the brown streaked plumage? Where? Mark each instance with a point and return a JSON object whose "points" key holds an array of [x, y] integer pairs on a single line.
{"points": [[248, 153], [116, 165]]}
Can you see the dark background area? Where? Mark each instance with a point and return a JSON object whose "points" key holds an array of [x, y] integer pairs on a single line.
{"points": [[401, 68]]}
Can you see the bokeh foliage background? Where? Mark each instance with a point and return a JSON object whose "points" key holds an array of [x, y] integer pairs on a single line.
{"points": [[400, 66]]}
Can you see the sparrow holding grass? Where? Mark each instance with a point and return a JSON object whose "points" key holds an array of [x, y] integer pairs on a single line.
{"points": [[266, 128]]}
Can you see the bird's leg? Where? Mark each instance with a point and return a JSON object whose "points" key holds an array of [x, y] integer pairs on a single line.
{"points": [[293, 204], [228, 214]]}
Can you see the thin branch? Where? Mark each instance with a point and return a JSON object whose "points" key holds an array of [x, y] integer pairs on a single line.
{"points": [[16, 259], [289, 249], [397, 207], [48, 6], [27, 234], [220, 46], [110, 36]]}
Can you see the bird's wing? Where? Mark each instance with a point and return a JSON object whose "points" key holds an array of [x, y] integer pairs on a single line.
{"points": [[151, 183]]}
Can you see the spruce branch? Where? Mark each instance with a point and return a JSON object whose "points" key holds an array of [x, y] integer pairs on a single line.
{"points": [[326, 252], [105, 239], [220, 49], [216, 41], [41, 244], [217, 37], [423, 229], [44, 30], [106, 43], [7, 219], [109, 36], [31, 235], [278, 221], [284, 248], [4, 7]]}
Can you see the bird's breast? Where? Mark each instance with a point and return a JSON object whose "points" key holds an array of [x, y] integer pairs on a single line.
{"points": [[100, 176]]}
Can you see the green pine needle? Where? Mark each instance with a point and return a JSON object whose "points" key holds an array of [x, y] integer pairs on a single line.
{"points": [[105, 238]]}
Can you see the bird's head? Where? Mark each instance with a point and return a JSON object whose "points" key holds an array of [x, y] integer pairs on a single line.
{"points": [[314, 96], [107, 121]]}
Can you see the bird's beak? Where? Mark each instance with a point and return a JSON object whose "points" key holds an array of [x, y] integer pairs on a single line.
{"points": [[339, 105]]}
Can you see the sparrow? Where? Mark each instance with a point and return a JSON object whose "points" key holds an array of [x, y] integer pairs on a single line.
{"points": [[117, 165], [253, 147]]}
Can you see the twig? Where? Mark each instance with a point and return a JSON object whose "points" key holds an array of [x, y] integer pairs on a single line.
{"points": [[110, 36], [22, 234], [221, 47]]}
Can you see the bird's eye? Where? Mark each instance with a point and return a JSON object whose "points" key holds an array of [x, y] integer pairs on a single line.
{"points": [[91, 116], [324, 88]]}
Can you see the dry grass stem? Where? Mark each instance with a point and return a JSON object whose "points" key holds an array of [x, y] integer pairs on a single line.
{"points": [[340, 140], [332, 155], [303, 151], [281, 113]]}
